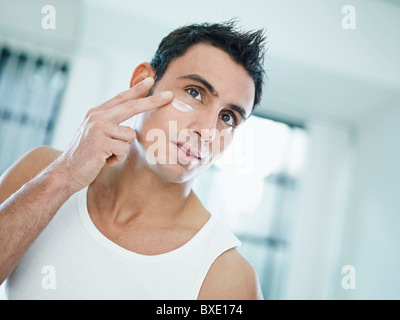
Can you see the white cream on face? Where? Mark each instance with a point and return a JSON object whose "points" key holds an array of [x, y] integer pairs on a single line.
{"points": [[181, 106]]}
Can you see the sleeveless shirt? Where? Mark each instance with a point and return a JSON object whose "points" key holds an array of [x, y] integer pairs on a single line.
{"points": [[72, 259]]}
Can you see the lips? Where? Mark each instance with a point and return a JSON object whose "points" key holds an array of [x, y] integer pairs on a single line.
{"points": [[189, 151]]}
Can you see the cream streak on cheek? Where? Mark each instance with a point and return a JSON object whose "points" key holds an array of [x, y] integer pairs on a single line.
{"points": [[181, 106]]}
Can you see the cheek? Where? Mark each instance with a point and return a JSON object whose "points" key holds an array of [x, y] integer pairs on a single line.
{"points": [[170, 120], [221, 142], [146, 126], [164, 120]]}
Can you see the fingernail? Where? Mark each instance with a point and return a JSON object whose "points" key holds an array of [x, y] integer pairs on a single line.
{"points": [[148, 80]]}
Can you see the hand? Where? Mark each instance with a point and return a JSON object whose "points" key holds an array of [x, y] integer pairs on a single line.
{"points": [[101, 139]]}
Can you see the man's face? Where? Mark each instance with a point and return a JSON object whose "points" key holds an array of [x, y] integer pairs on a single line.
{"points": [[221, 94]]}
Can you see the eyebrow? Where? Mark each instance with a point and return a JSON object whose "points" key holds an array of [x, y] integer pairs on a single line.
{"points": [[210, 88], [239, 110]]}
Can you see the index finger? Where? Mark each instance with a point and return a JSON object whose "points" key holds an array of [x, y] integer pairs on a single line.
{"points": [[137, 91], [130, 108]]}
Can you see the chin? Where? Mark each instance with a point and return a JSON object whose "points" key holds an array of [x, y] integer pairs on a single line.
{"points": [[177, 173], [174, 170]]}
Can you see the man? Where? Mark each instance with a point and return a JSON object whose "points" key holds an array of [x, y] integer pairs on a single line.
{"points": [[110, 217]]}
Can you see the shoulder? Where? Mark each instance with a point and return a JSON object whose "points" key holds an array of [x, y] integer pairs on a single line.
{"points": [[25, 169], [231, 277]]}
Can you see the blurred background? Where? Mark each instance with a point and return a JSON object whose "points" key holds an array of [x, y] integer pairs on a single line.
{"points": [[317, 187]]}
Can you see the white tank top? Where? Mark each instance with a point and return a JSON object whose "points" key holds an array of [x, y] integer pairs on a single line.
{"points": [[71, 259]]}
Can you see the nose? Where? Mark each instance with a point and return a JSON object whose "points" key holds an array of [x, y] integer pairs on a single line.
{"points": [[205, 126], [207, 135]]}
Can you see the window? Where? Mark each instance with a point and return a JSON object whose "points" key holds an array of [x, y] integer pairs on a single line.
{"points": [[31, 87], [254, 190]]}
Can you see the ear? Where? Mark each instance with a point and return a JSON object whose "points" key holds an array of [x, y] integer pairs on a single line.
{"points": [[141, 72]]}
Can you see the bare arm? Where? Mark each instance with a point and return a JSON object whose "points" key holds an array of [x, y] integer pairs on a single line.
{"points": [[32, 190], [28, 202], [231, 277]]}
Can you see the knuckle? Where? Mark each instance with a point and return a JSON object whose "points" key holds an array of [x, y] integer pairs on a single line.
{"points": [[153, 100], [129, 134], [129, 103], [130, 106], [132, 135], [94, 139], [92, 116], [122, 97], [99, 126], [89, 113], [96, 127]]}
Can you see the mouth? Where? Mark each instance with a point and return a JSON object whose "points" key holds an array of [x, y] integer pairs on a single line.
{"points": [[188, 152]]}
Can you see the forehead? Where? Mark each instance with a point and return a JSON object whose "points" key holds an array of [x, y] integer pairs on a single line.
{"points": [[231, 80]]}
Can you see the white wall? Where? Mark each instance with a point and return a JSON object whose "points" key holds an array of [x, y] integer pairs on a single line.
{"points": [[350, 210], [372, 239], [318, 226], [21, 20]]}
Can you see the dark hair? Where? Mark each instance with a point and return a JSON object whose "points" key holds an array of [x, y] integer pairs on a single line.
{"points": [[246, 48]]}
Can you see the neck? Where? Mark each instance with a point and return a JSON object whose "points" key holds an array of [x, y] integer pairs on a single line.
{"points": [[132, 191]]}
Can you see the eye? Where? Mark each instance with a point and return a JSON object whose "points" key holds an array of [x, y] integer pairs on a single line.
{"points": [[195, 93], [229, 119]]}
